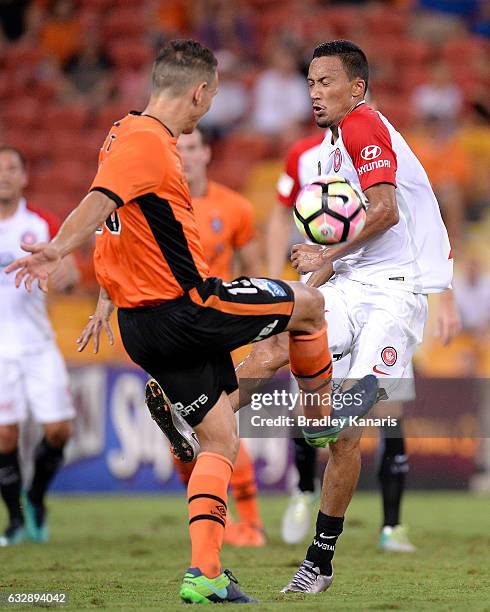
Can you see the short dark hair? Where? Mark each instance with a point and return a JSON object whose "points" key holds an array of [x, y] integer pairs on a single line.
{"points": [[9, 149], [353, 58], [180, 63]]}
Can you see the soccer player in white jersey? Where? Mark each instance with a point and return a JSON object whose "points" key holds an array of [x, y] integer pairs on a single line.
{"points": [[300, 167], [32, 371], [376, 302]]}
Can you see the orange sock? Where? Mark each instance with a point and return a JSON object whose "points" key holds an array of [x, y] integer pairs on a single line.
{"points": [[311, 364], [207, 497], [184, 469], [244, 488]]}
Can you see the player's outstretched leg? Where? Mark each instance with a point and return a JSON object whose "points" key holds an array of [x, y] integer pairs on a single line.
{"points": [[315, 574], [48, 458], [10, 485], [184, 443], [205, 581]]}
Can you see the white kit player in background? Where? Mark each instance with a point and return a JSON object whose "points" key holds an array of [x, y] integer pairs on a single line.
{"points": [[32, 371], [376, 302]]}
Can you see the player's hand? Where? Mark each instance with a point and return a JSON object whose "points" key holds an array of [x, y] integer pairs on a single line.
{"points": [[308, 257], [98, 321], [42, 262], [448, 323]]}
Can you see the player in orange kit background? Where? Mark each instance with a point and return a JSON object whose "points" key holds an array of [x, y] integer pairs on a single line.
{"points": [[226, 224]]}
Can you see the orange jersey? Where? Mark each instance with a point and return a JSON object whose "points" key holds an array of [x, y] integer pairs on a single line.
{"points": [[226, 222], [148, 250]]}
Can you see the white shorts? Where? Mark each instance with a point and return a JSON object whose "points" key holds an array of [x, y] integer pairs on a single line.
{"points": [[37, 382], [378, 329]]}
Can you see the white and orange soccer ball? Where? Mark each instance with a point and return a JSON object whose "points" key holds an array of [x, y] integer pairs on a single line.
{"points": [[329, 210]]}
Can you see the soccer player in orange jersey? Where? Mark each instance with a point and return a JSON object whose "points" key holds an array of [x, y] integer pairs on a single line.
{"points": [[226, 224], [177, 322]]}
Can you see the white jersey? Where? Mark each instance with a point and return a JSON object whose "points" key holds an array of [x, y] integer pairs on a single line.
{"points": [[24, 324], [415, 254]]}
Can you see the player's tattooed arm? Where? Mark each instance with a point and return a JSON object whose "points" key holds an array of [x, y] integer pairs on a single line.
{"points": [[78, 227], [382, 214], [98, 321]]}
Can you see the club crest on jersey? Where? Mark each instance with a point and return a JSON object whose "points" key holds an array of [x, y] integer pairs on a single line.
{"points": [[337, 160], [389, 356], [370, 152], [29, 237], [216, 224]]}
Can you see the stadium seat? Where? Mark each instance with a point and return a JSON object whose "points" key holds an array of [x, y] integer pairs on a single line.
{"points": [[59, 117], [28, 141], [130, 53], [380, 20], [108, 114], [21, 112], [124, 23], [22, 57]]}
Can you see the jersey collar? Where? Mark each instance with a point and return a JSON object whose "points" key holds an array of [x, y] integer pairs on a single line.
{"points": [[140, 114]]}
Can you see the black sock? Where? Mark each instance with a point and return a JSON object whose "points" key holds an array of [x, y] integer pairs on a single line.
{"points": [[305, 461], [322, 549], [10, 485], [47, 461], [392, 473]]}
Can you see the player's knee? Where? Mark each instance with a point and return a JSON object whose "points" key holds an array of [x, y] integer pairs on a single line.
{"points": [[9, 436], [314, 309], [58, 434], [345, 449]]}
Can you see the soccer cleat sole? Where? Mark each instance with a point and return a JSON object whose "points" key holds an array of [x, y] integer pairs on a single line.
{"points": [[190, 596], [368, 388], [183, 441]]}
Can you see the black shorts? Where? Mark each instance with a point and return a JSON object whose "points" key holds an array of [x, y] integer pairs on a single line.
{"points": [[185, 344]]}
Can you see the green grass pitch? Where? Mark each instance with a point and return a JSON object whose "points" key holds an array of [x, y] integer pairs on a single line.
{"points": [[129, 553]]}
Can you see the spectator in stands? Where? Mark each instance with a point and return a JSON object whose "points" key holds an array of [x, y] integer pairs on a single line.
{"points": [[231, 103], [89, 70], [61, 34], [12, 18], [440, 97], [280, 86], [221, 24]]}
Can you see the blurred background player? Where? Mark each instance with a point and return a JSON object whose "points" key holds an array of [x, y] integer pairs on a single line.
{"points": [[301, 166], [32, 371], [226, 224]]}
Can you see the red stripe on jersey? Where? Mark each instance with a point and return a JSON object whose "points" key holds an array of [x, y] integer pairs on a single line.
{"points": [[368, 142], [51, 219]]}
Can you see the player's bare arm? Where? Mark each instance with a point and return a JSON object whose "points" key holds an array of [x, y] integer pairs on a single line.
{"points": [[381, 215], [249, 259], [79, 226], [100, 320], [448, 319], [278, 233]]}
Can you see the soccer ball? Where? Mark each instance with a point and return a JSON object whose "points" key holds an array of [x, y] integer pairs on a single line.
{"points": [[329, 209]]}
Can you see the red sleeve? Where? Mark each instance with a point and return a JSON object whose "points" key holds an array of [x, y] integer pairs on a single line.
{"points": [[51, 219], [288, 183], [368, 142]]}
